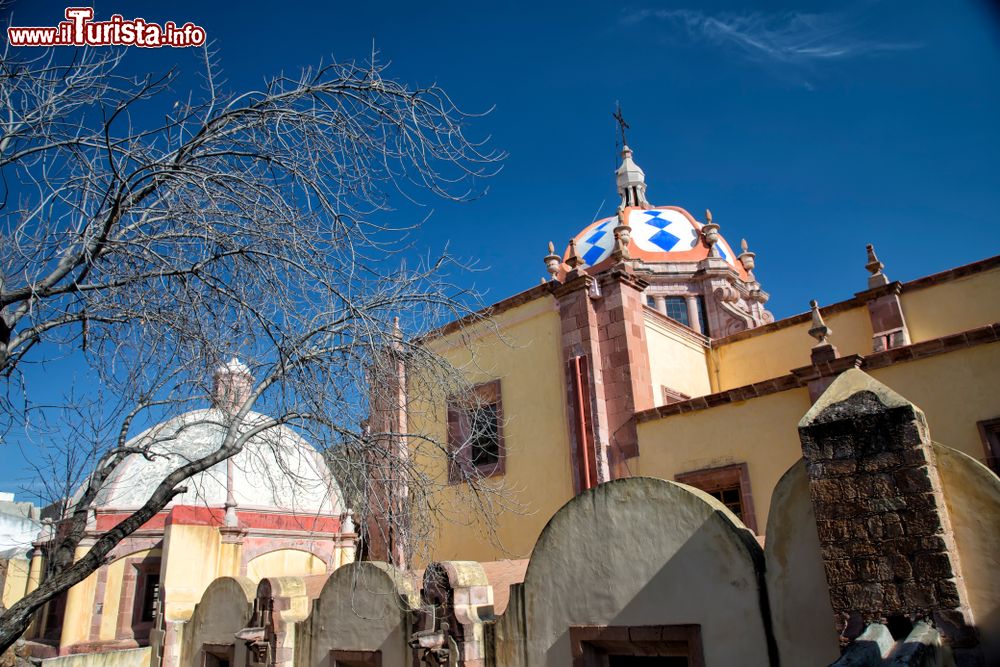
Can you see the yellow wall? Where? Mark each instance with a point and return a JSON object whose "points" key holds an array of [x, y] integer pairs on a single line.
{"points": [[79, 608], [191, 565], [775, 353], [955, 390], [952, 306], [945, 308], [676, 361], [528, 362], [15, 582], [285, 563], [762, 433], [113, 592]]}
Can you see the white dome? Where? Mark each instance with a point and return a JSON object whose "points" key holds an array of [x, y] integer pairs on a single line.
{"points": [[276, 469]]}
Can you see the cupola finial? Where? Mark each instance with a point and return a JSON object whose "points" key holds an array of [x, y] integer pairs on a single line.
{"points": [[630, 178], [232, 385]]}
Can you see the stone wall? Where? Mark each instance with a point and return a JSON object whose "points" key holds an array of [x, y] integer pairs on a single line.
{"points": [[886, 539]]}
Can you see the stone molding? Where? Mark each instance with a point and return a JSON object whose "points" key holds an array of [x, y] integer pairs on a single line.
{"points": [[862, 298], [800, 377]]}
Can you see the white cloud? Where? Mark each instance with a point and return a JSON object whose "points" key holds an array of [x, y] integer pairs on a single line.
{"points": [[790, 38]]}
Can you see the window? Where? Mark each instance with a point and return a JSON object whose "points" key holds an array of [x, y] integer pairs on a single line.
{"points": [[702, 315], [677, 309], [730, 497], [356, 658], [218, 655], [989, 431], [647, 661], [140, 594], [730, 485], [651, 302], [672, 395], [636, 646], [150, 597], [475, 433]]}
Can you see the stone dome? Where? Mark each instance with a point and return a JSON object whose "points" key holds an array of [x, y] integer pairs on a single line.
{"points": [[277, 470], [659, 234]]}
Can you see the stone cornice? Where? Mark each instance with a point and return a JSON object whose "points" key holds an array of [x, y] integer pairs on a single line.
{"points": [[800, 377], [519, 299], [862, 298]]}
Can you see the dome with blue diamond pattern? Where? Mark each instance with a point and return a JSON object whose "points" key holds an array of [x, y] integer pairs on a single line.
{"points": [[659, 234]]}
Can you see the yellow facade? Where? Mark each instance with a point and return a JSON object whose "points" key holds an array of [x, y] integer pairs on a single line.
{"points": [[677, 359], [526, 358], [284, 562], [960, 304], [931, 311], [760, 432], [772, 353], [15, 581]]}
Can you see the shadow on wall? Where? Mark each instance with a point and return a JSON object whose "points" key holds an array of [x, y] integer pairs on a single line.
{"points": [[804, 625], [223, 611], [645, 553], [362, 609]]}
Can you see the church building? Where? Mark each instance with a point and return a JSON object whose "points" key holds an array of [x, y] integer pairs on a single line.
{"points": [[685, 481]]}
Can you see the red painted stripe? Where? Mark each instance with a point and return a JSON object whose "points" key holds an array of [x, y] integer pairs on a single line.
{"points": [[192, 515]]}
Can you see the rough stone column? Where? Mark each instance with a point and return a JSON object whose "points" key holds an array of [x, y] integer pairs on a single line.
{"points": [[884, 529]]}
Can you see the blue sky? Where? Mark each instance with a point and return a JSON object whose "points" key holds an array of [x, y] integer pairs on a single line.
{"points": [[810, 133]]}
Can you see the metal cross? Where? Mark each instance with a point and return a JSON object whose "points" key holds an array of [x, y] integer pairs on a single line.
{"points": [[622, 125]]}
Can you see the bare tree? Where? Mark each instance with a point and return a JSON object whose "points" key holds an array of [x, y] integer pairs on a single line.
{"points": [[254, 224]]}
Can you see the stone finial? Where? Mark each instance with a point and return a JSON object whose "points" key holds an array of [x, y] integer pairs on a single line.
{"points": [[232, 384], [631, 182], [573, 260], [347, 523], [710, 232], [552, 262], [396, 335], [747, 259], [818, 330], [875, 267], [623, 234]]}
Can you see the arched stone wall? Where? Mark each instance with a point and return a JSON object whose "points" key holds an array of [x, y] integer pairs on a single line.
{"points": [[972, 495], [223, 611], [363, 607], [643, 552], [804, 625]]}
